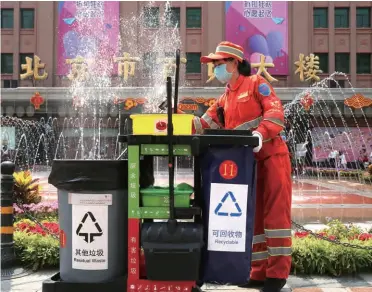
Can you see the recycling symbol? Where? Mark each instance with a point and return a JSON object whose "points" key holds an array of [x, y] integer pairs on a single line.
{"points": [[89, 237], [219, 206]]}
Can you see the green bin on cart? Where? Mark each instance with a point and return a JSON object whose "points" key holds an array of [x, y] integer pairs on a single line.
{"points": [[156, 196]]}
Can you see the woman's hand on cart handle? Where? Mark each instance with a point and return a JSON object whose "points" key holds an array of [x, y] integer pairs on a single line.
{"points": [[259, 136]]}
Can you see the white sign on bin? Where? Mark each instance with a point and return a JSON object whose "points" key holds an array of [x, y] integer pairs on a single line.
{"points": [[90, 231], [227, 217]]}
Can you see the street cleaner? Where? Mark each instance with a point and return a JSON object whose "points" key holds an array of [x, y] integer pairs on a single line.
{"points": [[250, 103]]}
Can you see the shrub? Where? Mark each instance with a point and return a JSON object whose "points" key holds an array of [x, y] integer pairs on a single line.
{"points": [[43, 228], [26, 189], [40, 211], [37, 246], [316, 256], [36, 250], [311, 255]]}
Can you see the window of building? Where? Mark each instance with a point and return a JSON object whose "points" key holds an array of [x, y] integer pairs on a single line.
{"points": [[173, 19], [363, 17], [7, 18], [342, 17], [193, 17], [323, 61], [193, 64], [363, 63], [27, 18], [320, 17], [6, 63], [22, 60], [342, 62], [151, 17]]}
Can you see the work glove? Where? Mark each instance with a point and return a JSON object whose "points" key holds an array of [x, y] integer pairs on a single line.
{"points": [[259, 136]]}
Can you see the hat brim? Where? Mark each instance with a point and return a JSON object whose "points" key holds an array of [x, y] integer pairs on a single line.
{"points": [[212, 57]]}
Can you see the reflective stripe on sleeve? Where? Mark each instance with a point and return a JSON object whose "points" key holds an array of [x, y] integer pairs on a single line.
{"points": [[250, 124], [279, 251], [259, 238], [276, 121], [198, 125], [210, 122], [278, 233], [259, 256]]}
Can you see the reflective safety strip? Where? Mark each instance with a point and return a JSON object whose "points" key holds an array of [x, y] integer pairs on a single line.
{"points": [[210, 122], [259, 238], [198, 125], [259, 256], [230, 50], [6, 210], [278, 233], [279, 251], [276, 121], [250, 125]]}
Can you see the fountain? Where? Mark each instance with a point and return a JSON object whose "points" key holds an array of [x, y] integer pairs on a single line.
{"points": [[324, 146], [311, 134]]}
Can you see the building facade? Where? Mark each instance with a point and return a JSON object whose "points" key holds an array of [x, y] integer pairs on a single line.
{"points": [[340, 33]]}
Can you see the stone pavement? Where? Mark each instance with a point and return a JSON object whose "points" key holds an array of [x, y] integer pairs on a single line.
{"points": [[359, 283]]}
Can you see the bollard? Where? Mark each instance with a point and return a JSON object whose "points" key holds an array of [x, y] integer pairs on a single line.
{"points": [[7, 185]]}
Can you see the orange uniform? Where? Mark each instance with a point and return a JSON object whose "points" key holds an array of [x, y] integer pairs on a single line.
{"points": [[251, 103]]}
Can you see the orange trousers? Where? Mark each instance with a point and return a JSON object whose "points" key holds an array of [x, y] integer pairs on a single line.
{"points": [[271, 257]]}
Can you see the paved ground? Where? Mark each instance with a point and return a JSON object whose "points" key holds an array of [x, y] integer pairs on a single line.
{"points": [[360, 283]]}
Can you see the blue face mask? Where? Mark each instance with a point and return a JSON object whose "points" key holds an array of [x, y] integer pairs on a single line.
{"points": [[221, 73]]}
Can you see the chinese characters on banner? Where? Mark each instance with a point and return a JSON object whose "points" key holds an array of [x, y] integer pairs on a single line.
{"points": [[33, 72], [258, 9], [227, 217], [89, 9], [261, 28], [87, 30], [308, 67], [90, 231]]}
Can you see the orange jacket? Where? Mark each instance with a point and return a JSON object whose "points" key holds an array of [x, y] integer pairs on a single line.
{"points": [[250, 104]]}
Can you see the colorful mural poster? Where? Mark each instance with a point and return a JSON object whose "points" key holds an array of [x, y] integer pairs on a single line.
{"points": [[89, 29], [260, 27], [353, 142]]}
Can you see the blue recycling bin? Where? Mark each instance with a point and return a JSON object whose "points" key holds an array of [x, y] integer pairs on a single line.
{"points": [[228, 188]]}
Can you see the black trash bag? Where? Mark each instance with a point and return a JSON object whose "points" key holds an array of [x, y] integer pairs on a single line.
{"points": [[98, 175]]}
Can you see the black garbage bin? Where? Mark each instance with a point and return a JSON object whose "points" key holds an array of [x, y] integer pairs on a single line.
{"points": [[93, 217]]}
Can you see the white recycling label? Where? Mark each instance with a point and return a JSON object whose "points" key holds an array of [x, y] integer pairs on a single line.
{"points": [[227, 217], [89, 237]]}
